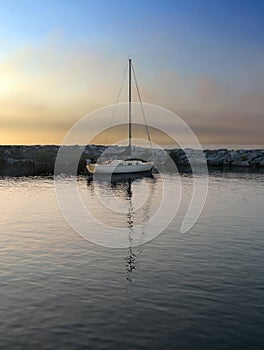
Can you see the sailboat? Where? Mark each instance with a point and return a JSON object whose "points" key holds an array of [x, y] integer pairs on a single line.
{"points": [[118, 166]]}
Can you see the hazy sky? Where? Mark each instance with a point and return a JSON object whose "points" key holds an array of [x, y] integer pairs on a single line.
{"points": [[61, 59]]}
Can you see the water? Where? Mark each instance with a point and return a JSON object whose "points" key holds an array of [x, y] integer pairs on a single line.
{"points": [[200, 290]]}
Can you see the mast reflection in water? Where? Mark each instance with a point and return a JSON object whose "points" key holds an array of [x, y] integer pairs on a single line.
{"points": [[121, 187]]}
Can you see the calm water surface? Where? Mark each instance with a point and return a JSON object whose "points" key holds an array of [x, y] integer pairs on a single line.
{"points": [[200, 290]]}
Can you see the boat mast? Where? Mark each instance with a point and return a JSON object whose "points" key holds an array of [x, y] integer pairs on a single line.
{"points": [[129, 105]]}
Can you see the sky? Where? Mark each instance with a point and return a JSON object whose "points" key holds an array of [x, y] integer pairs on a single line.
{"points": [[63, 59]]}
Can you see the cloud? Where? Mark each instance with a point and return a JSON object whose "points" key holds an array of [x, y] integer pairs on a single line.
{"points": [[44, 90]]}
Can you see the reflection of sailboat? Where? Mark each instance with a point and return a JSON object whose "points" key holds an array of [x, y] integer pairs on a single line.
{"points": [[131, 259], [127, 166], [129, 178], [121, 187], [125, 182]]}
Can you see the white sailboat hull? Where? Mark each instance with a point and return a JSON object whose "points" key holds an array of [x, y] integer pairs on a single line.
{"points": [[122, 168]]}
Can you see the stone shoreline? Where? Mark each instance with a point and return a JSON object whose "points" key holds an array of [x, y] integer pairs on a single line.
{"points": [[40, 160]]}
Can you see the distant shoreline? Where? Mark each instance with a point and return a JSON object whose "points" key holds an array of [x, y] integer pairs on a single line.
{"points": [[40, 159]]}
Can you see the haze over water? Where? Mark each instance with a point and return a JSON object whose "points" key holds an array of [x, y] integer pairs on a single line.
{"points": [[200, 290]]}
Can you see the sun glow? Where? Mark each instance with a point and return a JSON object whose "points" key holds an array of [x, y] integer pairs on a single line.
{"points": [[6, 86]]}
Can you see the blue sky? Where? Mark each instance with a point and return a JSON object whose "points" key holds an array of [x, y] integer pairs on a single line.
{"points": [[221, 41], [207, 21]]}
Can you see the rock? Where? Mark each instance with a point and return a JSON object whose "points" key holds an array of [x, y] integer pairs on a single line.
{"points": [[234, 155], [240, 163], [222, 152], [251, 156]]}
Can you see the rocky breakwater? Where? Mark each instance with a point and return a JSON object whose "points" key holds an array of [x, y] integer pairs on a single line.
{"points": [[220, 158], [40, 160], [235, 158]]}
